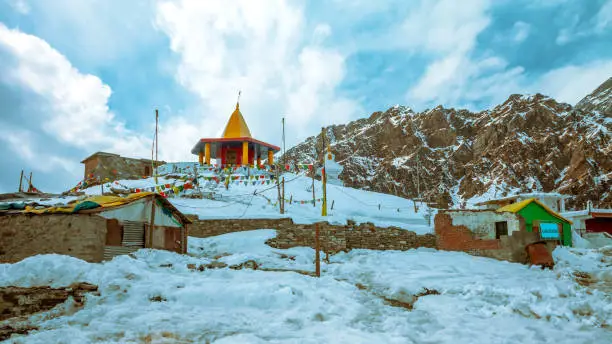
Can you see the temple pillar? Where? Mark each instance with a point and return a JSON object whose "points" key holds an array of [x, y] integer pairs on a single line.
{"points": [[207, 153], [245, 153], [270, 157], [201, 157]]}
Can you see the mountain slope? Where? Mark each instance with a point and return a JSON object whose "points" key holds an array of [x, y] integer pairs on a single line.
{"points": [[526, 143]]}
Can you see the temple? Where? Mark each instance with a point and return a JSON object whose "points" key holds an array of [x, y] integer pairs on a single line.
{"points": [[236, 147]]}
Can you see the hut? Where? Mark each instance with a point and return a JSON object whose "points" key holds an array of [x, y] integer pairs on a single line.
{"points": [[542, 220], [236, 147], [502, 233], [93, 229]]}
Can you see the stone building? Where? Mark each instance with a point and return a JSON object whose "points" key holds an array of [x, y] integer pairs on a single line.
{"points": [[101, 165], [94, 229]]}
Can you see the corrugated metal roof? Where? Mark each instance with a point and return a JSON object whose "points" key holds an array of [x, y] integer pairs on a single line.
{"points": [[516, 207], [109, 202]]}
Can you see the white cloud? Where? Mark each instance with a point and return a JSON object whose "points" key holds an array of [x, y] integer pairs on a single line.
{"points": [[444, 26], [571, 83], [58, 109], [97, 32], [448, 30], [596, 26], [460, 81], [603, 19], [21, 6], [521, 31], [269, 52]]}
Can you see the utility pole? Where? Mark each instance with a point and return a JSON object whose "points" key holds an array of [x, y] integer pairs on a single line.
{"points": [[317, 254], [280, 204], [20, 182], [314, 203], [418, 175], [156, 158], [284, 147], [324, 176]]}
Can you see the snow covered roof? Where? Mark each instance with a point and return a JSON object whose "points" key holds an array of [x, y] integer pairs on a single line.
{"points": [[100, 203], [588, 213], [516, 207], [525, 195]]}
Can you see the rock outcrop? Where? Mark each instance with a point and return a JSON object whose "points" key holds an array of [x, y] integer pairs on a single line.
{"points": [[451, 156]]}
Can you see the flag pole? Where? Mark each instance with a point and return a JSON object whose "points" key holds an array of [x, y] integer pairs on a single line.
{"points": [[156, 158], [21, 181], [323, 176]]}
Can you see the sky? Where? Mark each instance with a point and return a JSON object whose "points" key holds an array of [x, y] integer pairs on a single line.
{"points": [[80, 76]]}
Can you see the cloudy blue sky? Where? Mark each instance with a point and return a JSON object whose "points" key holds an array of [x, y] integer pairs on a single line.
{"points": [[79, 76]]}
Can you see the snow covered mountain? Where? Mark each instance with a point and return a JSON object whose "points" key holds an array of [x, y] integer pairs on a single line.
{"points": [[454, 156]]}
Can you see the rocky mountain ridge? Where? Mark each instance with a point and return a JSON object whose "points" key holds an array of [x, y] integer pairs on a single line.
{"points": [[454, 157]]}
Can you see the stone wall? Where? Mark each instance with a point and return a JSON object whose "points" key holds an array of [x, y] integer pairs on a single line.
{"points": [[333, 238], [18, 301], [113, 166], [458, 237], [78, 235]]}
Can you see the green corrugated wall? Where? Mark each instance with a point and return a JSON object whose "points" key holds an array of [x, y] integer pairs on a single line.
{"points": [[534, 211]]}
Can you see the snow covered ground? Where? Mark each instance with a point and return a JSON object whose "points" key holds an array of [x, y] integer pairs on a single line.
{"points": [[244, 200], [348, 203], [362, 297]]}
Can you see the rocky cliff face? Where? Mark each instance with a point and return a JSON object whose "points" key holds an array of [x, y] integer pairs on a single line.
{"points": [[454, 157]]}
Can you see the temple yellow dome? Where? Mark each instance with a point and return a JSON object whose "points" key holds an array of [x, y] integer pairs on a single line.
{"points": [[236, 126]]}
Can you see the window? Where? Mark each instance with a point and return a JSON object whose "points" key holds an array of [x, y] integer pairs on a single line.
{"points": [[551, 231], [501, 228]]}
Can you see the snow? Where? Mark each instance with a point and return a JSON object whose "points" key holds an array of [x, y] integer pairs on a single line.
{"points": [[259, 201], [349, 204], [479, 300]]}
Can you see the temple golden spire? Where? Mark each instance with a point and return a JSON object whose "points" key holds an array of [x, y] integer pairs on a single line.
{"points": [[236, 126]]}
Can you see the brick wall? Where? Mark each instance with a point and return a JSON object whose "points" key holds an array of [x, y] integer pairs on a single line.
{"points": [[453, 237], [333, 238], [78, 235]]}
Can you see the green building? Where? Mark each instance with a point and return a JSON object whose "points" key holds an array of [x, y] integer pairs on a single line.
{"points": [[543, 220]]}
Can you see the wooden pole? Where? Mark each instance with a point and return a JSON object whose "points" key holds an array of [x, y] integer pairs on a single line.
{"points": [[284, 151], [153, 155], [314, 203], [317, 254], [21, 181], [280, 205], [156, 158], [283, 198], [30, 183], [149, 233], [324, 177]]}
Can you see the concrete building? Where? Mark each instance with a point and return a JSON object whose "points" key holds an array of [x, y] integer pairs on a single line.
{"points": [[590, 220], [552, 200]]}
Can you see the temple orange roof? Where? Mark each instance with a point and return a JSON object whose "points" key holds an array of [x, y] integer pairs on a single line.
{"points": [[236, 126]]}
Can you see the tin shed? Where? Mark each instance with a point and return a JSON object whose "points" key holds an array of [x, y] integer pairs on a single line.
{"points": [[94, 229], [539, 218]]}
